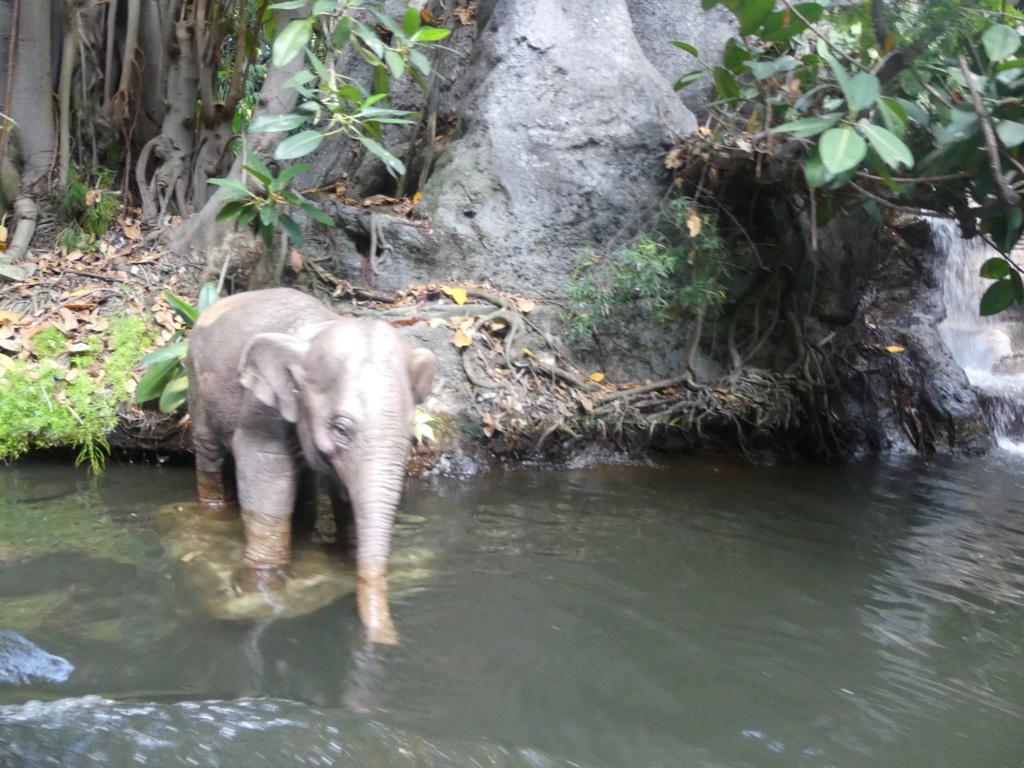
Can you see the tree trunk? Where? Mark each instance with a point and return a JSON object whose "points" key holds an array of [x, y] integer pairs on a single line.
{"points": [[201, 236], [31, 103]]}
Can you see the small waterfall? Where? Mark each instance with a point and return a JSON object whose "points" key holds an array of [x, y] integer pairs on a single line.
{"points": [[989, 349]]}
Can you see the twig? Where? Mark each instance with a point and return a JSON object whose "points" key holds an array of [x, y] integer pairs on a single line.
{"points": [[823, 38], [1004, 191], [901, 208]]}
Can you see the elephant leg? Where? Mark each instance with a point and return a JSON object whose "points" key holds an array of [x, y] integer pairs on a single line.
{"points": [[266, 488], [344, 518], [214, 484]]}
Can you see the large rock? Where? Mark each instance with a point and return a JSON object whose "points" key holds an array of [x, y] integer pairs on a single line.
{"points": [[562, 135]]}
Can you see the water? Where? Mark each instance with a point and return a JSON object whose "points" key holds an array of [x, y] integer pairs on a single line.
{"points": [[692, 614], [989, 349]]}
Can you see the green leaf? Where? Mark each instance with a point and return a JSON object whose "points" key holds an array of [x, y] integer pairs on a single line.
{"points": [[268, 215], [291, 172], [230, 210], [175, 351], [1000, 42], [175, 393], [995, 268], [342, 32], [1011, 134], [287, 5], [726, 85], [962, 126], [185, 311], [815, 172], [736, 52], [292, 40], [687, 79], [410, 21], [872, 209], [1000, 295], [351, 93], [317, 214], [300, 78], [420, 61], [395, 62], [233, 185], [889, 147], [393, 163], [685, 46], [893, 115], [153, 381], [861, 91], [751, 13], [324, 6], [257, 167], [292, 230], [1005, 230], [207, 295], [381, 82], [298, 145], [707, 5], [785, 25], [267, 233], [765, 69], [841, 149], [246, 216], [318, 66], [808, 126], [914, 111], [276, 123], [369, 37], [430, 34]]}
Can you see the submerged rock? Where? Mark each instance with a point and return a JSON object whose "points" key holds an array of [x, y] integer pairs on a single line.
{"points": [[21, 660], [210, 551]]}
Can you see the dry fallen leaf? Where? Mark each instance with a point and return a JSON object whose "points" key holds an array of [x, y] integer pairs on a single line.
{"points": [[93, 196], [295, 262], [416, 198], [461, 339], [693, 224], [597, 376], [98, 325], [525, 305], [676, 158], [7, 316], [466, 14], [585, 402], [434, 322], [3, 233], [458, 294], [499, 324], [132, 232], [6, 362], [894, 348], [71, 375]]}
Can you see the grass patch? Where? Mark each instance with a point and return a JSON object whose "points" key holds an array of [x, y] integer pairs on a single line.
{"points": [[67, 394]]}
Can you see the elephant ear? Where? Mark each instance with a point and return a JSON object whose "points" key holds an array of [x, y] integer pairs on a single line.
{"points": [[422, 363], [270, 369]]}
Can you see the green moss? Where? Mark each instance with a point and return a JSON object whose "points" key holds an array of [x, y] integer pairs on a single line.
{"points": [[63, 398]]}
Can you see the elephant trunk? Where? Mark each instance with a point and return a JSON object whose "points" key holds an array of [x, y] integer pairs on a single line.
{"points": [[375, 493]]}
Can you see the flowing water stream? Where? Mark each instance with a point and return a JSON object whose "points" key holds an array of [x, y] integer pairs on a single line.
{"points": [[695, 613], [989, 349]]}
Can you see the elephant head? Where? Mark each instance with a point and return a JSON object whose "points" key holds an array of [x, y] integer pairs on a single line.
{"points": [[350, 388]]}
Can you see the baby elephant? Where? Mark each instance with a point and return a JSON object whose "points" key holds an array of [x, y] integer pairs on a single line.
{"points": [[282, 383]]}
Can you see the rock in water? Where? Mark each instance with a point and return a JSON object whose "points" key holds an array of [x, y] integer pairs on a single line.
{"points": [[21, 660]]}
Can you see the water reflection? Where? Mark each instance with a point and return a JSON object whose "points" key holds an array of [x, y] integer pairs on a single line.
{"points": [[700, 613]]}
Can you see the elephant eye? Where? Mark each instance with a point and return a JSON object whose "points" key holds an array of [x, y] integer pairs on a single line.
{"points": [[342, 430]]}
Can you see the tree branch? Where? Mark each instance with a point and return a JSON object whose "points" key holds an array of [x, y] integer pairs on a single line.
{"points": [[1004, 192]]}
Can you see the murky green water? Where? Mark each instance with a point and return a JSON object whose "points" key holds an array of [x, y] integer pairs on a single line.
{"points": [[695, 614]]}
